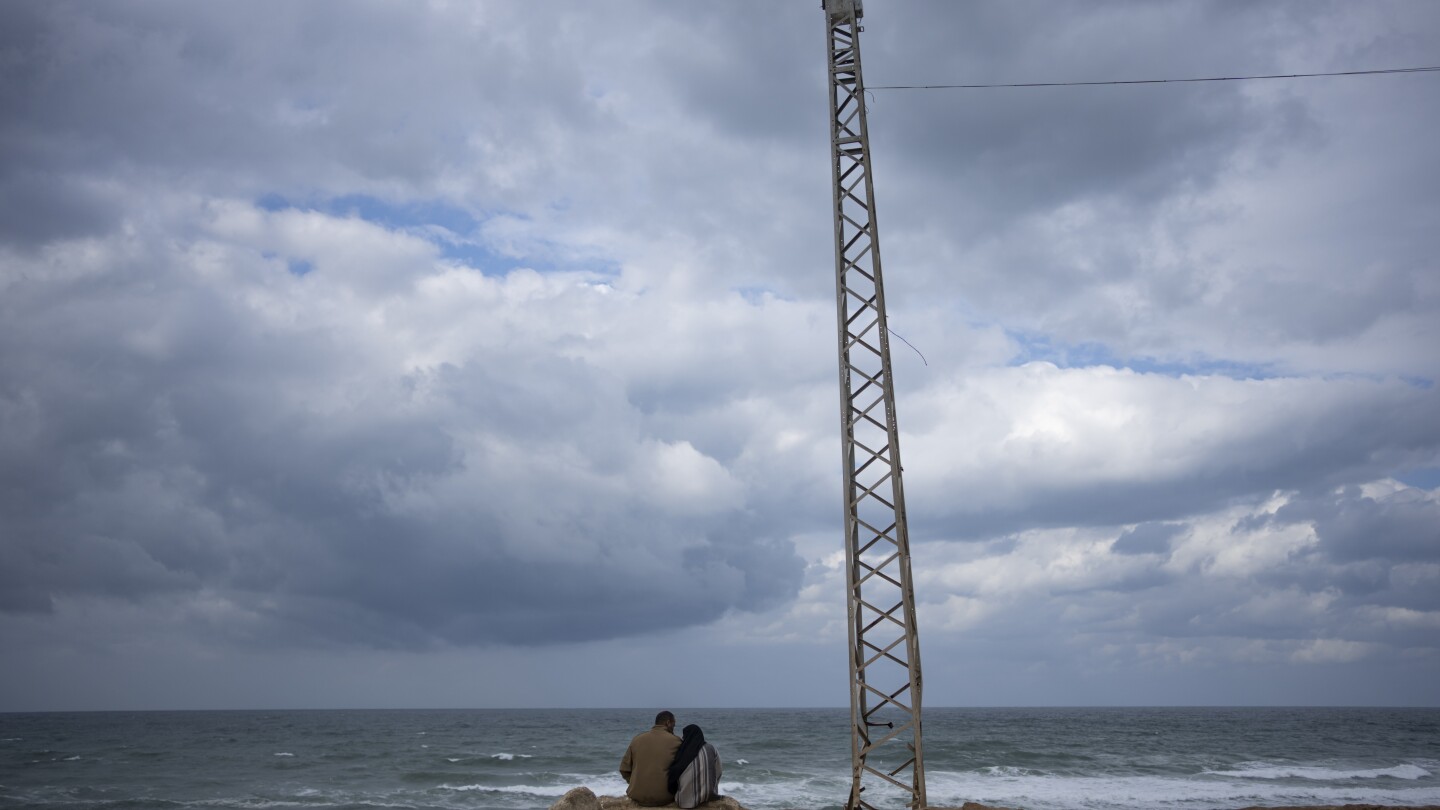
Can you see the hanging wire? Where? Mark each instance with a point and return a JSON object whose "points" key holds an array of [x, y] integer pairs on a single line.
{"points": [[893, 333], [1153, 81]]}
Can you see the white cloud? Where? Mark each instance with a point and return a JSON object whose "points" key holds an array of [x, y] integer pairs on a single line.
{"points": [[404, 331], [680, 478], [1330, 651], [1038, 443]]}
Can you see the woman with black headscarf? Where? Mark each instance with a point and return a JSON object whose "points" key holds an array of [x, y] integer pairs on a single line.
{"points": [[694, 776]]}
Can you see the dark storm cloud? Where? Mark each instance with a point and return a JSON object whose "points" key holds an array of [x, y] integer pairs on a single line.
{"points": [[37, 208], [239, 101], [1088, 212], [767, 96], [1147, 538], [1368, 559], [1138, 147], [197, 464], [1353, 526], [162, 440], [252, 396]]}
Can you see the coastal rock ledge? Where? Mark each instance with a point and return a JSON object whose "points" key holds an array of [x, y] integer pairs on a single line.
{"points": [[583, 798]]}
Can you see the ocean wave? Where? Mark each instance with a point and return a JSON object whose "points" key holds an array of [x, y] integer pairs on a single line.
{"points": [[471, 760], [1055, 792], [141, 802], [525, 790], [815, 792], [1008, 770], [378, 763], [1317, 773], [602, 786], [249, 803]]}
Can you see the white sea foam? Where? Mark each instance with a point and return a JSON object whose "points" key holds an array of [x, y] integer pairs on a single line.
{"points": [[1315, 773], [254, 804], [1008, 770], [609, 785], [1051, 792], [1015, 787], [72, 759], [807, 792], [530, 790], [791, 776], [284, 754]]}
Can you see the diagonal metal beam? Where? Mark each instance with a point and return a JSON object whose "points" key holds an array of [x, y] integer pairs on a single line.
{"points": [[873, 488]]}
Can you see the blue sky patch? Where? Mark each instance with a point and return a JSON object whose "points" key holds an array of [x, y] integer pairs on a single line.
{"points": [[1085, 355], [406, 216], [1423, 478], [453, 230], [756, 294]]}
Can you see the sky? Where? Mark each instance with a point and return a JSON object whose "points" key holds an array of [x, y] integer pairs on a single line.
{"points": [[452, 354]]}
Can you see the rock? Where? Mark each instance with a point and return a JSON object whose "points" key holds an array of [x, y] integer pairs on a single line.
{"points": [[623, 803], [1352, 807], [580, 798]]}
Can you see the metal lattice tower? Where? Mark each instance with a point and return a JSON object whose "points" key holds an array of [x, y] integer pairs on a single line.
{"points": [[885, 684]]}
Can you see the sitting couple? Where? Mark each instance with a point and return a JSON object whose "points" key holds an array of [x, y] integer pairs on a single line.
{"points": [[662, 768]]}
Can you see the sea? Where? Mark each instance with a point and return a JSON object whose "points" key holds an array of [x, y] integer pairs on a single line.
{"points": [[773, 759]]}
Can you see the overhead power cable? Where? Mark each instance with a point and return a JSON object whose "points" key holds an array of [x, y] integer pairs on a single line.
{"points": [[1153, 81]]}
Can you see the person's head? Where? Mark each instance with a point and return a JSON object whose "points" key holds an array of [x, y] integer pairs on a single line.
{"points": [[693, 733], [667, 720]]}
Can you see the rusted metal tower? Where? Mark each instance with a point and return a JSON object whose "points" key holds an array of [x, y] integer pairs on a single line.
{"points": [[885, 684]]}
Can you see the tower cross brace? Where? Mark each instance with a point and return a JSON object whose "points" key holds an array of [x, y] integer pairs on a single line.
{"points": [[887, 755]]}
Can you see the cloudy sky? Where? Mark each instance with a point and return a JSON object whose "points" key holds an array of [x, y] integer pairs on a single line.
{"points": [[482, 354]]}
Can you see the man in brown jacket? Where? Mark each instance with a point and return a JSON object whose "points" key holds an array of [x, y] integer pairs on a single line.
{"points": [[646, 761]]}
